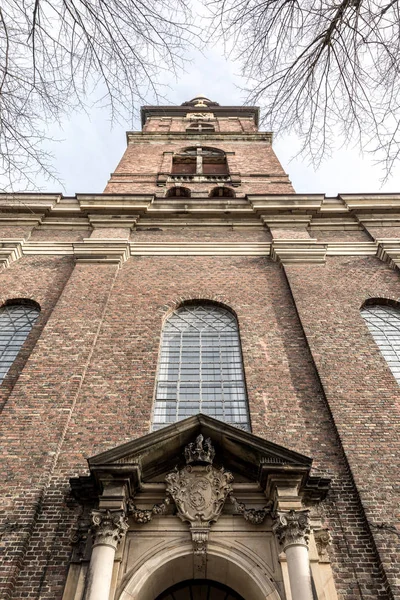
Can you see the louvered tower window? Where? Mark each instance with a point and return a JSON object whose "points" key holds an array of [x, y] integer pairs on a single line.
{"points": [[16, 321], [200, 368], [384, 323]]}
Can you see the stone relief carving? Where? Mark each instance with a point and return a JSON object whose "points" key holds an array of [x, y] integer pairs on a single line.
{"points": [[142, 515], [199, 115], [199, 491], [199, 451], [252, 515], [109, 527], [323, 539], [292, 528]]}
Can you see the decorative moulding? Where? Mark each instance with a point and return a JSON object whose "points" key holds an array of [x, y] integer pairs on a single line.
{"points": [[323, 539], [10, 251], [101, 251], [298, 251], [292, 528], [389, 251]]}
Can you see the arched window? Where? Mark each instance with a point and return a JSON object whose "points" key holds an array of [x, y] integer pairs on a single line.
{"points": [[200, 161], [200, 127], [16, 320], [222, 192], [177, 191], [383, 321], [200, 367]]}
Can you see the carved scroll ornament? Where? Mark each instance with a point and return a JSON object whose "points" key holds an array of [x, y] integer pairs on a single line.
{"points": [[109, 527], [199, 492], [292, 528]]}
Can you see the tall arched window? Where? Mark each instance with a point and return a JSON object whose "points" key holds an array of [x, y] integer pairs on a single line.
{"points": [[383, 321], [16, 321], [200, 367]]}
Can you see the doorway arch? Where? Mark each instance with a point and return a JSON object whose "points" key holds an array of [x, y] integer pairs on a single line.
{"points": [[173, 564], [198, 589]]}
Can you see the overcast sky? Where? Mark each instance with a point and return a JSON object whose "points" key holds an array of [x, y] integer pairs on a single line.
{"points": [[89, 150]]}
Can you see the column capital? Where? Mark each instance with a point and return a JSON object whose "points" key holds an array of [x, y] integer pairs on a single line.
{"points": [[292, 528], [109, 527]]}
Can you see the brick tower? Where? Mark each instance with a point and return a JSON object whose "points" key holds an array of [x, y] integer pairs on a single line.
{"points": [[199, 378]]}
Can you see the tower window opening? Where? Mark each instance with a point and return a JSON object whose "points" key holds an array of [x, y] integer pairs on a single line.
{"points": [[200, 127], [200, 161], [222, 192], [200, 368], [178, 192]]}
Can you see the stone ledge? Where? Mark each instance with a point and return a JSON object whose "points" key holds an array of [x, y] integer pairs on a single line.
{"points": [[101, 251], [298, 251]]}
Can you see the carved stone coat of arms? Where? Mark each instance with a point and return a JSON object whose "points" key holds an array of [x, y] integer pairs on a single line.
{"points": [[199, 492]]}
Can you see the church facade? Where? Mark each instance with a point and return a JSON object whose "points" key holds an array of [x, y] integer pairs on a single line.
{"points": [[199, 378]]}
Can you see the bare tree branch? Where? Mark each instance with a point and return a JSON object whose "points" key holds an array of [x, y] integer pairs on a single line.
{"points": [[324, 69], [55, 53]]}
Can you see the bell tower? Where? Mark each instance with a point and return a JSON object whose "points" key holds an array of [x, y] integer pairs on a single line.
{"points": [[199, 149]]}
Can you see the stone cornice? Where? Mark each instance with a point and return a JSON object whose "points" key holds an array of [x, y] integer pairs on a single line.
{"points": [[129, 211], [215, 110], [137, 137], [371, 201], [118, 251], [295, 251], [340, 212], [389, 251]]}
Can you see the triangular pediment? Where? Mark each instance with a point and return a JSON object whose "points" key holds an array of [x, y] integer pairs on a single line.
{"points": [[250, 459], [161, 451]]}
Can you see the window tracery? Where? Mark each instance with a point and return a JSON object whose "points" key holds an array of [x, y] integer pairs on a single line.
{"points": [[200, 368], [16, 321], [383, 321]]}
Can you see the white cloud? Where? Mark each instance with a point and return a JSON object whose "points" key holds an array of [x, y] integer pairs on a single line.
{"points": [[90, 149]]}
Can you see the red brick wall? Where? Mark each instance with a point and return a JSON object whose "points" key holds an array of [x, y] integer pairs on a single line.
{"points": [[138, 168], [35, 420], [38, 278], [89, 383], [361, 391]]}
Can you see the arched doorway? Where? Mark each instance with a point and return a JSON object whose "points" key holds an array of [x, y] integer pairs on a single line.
{"points": [[199, 589], [234, 568]]}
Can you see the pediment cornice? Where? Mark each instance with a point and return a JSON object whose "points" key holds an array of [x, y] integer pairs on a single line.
{"points": [[153, 456]]}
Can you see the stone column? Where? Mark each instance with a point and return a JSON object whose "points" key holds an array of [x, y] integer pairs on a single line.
{"points": [[109, 527], [292, 529]]}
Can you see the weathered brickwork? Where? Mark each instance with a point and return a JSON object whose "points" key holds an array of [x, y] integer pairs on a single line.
{"points": [[36, 418], [84, 381], [340, 235], [67, 235], [360, 389], [42, 280], [136, 172], [200, 234], [113, 403]]}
